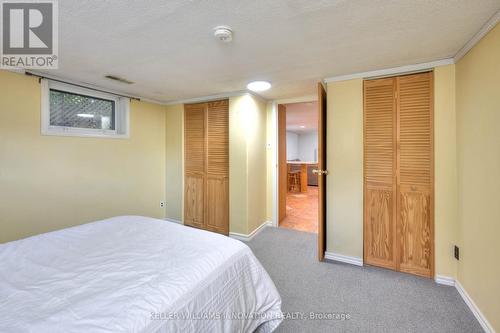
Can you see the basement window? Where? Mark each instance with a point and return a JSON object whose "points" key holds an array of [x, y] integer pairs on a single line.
{"points": [[69, 110]]}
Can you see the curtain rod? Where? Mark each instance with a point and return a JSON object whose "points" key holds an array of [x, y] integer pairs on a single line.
{"points": [[80, 86]]}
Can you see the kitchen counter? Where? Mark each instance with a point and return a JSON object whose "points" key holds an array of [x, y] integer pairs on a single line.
{"points": [[303, 172]]}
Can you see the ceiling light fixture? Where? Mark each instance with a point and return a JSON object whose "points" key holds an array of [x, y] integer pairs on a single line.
{"points": [[302, 126], [85, 115], [258, 86]]}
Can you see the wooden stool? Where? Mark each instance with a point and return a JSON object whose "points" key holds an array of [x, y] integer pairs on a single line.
{"points": [[294, 181]]}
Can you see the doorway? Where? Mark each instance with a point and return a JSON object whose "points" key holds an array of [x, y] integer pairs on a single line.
{"points": [[301, 168], [299, 144]]}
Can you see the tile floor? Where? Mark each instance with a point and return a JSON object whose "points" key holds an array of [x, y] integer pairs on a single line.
{"points": [[302, 210]]}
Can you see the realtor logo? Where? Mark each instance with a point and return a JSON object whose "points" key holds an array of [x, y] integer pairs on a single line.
{"points": [[29, 34]]}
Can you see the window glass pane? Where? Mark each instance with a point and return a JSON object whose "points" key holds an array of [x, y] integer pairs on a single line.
{"points": [[73, 110]]}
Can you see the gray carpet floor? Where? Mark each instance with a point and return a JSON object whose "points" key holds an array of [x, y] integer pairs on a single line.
{"points": [[376, 300]]}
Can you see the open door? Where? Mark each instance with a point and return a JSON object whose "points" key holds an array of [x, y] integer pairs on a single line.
{"points": [[282, 167], [321, 171]]}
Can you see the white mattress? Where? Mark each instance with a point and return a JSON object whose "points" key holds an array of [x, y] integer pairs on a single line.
{"points": [[134, 274]]}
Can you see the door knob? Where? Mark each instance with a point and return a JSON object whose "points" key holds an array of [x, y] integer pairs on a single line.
{"points": [[320, 172]]}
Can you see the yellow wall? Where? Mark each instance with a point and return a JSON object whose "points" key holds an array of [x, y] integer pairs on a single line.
{"points": [[257, 159], [345, 163], [51, 182], [174, 160], [445, 170], [270, 162], [478, 155], [247, 161], [238, 195]]}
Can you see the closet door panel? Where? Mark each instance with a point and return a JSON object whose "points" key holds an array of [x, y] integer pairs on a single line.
{"points": [[379, 231], [415, 127], [218, 138], [415, 197], [415, 231], [194, 137], [379, 173], [217, 190], [194, 199], [194, 165], [218, 208]]}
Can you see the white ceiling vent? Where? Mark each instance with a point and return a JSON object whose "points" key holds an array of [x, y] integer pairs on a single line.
{"points": [[119, 79], [223, 33]]}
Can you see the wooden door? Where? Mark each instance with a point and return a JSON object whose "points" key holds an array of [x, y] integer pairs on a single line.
{"points": [[282, 163], [321, 171], [217, 191], [380, 173], [416, 174], [194, 165]]}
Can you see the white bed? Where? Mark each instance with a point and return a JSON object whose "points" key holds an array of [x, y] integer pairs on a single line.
{"points": [[134, 274]]}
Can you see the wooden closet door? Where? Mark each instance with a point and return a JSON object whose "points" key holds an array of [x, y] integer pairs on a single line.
{"points": [[380, 173], [416, 174], [194, 165], [217, 159]]}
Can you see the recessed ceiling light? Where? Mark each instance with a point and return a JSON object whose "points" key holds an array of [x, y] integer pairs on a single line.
{"points": [[258, 86]]}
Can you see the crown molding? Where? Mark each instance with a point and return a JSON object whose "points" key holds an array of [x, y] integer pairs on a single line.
{"points": [[143, 99], [392, 71], [259, 97], [490, 24], [36, 73], [301, 99], [216, 97]]}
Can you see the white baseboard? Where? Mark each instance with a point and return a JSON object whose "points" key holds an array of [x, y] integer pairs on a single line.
{"points": [[247, 238], [475, 310], [445, 280], [345, 259], [173, 220]]}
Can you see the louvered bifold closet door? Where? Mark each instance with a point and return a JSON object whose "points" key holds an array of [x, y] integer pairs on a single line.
{"points": [[194, 165], [415, 186], [217, 208], [379, 173]]}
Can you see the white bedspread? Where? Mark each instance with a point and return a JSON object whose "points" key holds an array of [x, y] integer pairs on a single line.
{"points": [[134, 274]]}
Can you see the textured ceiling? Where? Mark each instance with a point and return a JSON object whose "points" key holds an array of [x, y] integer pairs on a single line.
{"points": [[167, 47], [302, 114]]}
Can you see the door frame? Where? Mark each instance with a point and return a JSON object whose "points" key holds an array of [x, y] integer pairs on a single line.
{"points": [[281, 149], [274, 142]]}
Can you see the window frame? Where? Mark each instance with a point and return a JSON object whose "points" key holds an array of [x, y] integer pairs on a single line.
{"points": [[121, 106]]}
